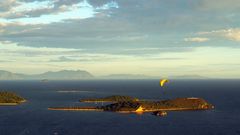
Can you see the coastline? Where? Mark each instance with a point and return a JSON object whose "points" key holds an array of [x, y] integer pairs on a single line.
{"points": [[12, 104], [178, 104], [8, 104], [99, 109], [75, 108], [98, 101], [170, 109]]}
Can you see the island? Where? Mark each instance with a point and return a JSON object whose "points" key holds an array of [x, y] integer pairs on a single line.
{"points": [[10, 98], [126, 104], [114, 98], [177, 104], [44, 80]]}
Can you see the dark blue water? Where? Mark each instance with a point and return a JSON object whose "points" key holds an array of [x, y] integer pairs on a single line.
{"points": [[33, 118]]}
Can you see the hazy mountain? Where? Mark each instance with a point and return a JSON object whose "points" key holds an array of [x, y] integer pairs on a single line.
{"points": [[188, 77], [5, 75], [128, 76], [59, 75], [81, 74], [66, 74]]}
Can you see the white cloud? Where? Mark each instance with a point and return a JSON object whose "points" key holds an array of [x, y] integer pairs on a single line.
{"points": [[234, 35], [109, 5], [14, 52], [231, 34], [196, 39], [2, 24], [6, 5], [47, 15], [143, 49], [8, 48], [46, 12]]}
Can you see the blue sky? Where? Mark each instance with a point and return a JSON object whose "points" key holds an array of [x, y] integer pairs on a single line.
{"points": [[157, 37]]}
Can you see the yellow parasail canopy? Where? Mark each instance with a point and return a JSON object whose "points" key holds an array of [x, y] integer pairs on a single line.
{"points": [[163, 81]]}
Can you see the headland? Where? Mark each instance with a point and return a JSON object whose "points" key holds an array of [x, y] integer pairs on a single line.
{"points": [[10, 98]]}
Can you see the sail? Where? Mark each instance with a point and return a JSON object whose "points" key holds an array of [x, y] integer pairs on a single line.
{"points": [[163, 81]]}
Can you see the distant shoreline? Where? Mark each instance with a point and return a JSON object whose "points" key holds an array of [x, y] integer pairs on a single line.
{"points": [[76, 108], [8, 104], [12, 104]]}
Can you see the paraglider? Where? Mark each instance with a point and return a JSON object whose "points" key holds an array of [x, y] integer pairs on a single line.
{"points": [[163, 81]]}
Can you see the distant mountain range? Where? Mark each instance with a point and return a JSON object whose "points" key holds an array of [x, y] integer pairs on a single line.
{"points": [[59, 75], [81, 74], [128, 76], [188, 77]]}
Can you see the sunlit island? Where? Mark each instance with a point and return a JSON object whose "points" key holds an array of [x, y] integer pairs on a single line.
{"points": [[127, 104], [10, 98]]}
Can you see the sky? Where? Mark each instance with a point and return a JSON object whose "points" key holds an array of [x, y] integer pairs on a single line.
{"points": [[150, 37]]}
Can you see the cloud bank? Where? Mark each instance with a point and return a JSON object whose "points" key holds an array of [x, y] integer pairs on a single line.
{"points": [[196, 39], [230, 34]]}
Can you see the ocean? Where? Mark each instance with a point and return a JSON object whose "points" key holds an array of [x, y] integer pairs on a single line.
{"points": [[33, 118]]}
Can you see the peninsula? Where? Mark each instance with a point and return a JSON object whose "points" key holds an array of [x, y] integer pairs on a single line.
{"points": [[10, 98], [126, 104]]}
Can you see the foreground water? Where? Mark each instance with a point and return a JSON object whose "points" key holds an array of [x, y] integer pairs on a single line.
{"points": [[33, 118]]}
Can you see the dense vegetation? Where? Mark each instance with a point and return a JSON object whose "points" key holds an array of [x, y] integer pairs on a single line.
{"points": [[122, 106], [130, 104], [114, 98], [176, 103], [10, 97], [185, 103]]}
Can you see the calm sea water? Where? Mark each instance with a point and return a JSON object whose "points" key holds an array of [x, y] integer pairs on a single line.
{"points": [[33, 118]]}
